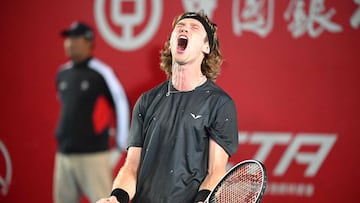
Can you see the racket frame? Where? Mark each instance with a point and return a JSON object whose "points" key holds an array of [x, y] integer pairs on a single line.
{"points": [[230, 171]]}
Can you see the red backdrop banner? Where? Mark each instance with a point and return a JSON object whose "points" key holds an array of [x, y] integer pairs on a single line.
{"points": [[292, 68]]}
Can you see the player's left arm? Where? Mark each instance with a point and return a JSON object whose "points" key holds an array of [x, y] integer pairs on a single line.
{"points": [[218, 159]]}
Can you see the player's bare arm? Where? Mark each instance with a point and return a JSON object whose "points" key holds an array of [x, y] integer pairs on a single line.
{"points": [[127, 176], [218, 159]]}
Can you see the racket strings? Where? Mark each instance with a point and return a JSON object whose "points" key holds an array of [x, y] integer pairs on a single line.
{"points": [[242, 185]]}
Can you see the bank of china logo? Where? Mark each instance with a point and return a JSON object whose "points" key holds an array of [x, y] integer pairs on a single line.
{"points": [[195, 5], [127, 41], [5, 177]]}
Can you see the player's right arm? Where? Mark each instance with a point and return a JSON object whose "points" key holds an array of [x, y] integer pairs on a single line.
{"points": [[127, 177]]}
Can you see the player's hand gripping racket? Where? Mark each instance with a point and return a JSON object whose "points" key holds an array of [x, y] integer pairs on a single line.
{"points": [[243, 183]]}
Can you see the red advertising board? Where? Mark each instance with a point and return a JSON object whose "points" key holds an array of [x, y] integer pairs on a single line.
{"points": [[292, 67]]}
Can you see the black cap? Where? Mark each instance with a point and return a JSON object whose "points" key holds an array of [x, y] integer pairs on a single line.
{"points": [[79, 29]]}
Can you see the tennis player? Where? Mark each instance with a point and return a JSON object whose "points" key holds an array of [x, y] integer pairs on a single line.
{"points": [[184, 130]]}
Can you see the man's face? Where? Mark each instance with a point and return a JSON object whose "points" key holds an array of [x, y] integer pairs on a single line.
{"points": [[77, 47], [188, 41]]}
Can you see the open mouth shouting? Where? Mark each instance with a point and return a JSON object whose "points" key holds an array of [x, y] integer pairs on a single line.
{"points": [[182, 43]]}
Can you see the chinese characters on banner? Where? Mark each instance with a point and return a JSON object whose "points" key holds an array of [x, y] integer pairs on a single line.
{"points": [[310, 18]]}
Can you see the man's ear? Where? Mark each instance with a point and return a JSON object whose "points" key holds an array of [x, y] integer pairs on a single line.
{"points": [[206, 48]]}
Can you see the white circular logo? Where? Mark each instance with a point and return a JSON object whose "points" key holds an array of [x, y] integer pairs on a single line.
{"points": [[5, 180], [127, 22]]}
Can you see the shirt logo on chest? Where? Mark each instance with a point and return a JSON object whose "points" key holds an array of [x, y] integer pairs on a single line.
{"points": [[84, 85], [63, 85], [195, 116]]}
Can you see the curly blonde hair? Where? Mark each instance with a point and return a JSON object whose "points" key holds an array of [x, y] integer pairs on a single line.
{"points": [[211, 63]]}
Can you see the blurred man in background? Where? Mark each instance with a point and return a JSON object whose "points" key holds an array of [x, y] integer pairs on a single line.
{"points": [[90, 96]]}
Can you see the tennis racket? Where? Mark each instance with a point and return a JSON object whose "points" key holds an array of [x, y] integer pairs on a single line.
{"points": [[243, 183]]}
